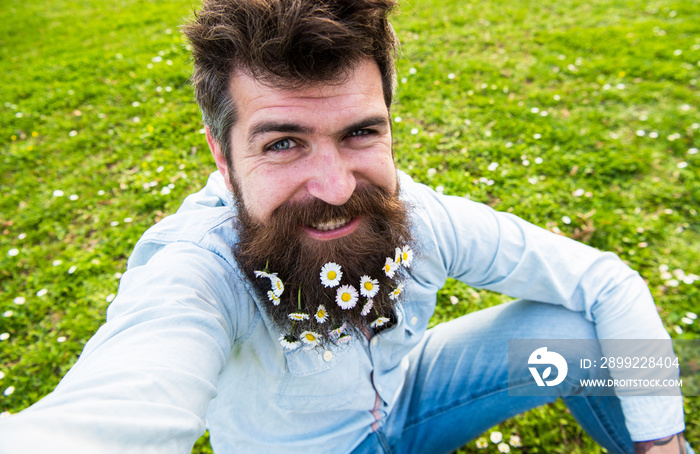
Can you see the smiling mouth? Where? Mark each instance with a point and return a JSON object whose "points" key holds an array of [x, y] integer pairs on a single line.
{"points": [[331, 225]]}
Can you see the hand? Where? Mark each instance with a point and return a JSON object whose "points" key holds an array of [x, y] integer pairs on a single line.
{"points": [[675, 444]]}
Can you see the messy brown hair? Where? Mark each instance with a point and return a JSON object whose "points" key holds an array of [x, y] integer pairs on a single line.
{"points": [[285, 43]]}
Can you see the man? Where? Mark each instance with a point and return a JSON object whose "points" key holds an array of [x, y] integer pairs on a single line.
{"points": [[285, 306]]}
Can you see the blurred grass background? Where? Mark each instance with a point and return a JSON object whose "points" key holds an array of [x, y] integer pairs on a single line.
{"points": [[581, 117]]}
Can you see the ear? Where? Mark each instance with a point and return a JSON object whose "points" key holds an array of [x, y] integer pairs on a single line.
{"points": [[219, 157]]}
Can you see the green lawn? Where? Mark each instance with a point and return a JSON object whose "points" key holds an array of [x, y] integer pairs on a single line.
{"points": [[581, 117]]}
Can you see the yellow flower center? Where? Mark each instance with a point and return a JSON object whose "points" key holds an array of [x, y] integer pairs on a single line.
{"points": [[310, 337], [405, 256], [345, 297], [368, 286], [321, 314], [331, 275], [387, 267], [279, 284]]}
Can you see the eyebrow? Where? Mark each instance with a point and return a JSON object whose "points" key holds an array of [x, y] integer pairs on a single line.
{"points": [[284, 127]]}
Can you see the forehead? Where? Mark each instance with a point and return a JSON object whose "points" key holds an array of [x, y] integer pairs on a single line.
{"points": [[358, 92]]}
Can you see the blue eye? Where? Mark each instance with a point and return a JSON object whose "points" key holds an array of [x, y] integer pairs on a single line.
{"points": [[281, 145]]}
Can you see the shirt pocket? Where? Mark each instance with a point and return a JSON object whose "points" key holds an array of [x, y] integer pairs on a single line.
{"points": [[318, 380]]}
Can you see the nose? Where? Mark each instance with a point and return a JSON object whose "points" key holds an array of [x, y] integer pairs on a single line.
{"points": [[332, 179]]}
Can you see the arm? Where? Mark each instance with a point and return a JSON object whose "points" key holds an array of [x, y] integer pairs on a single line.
{"points": [[500, 252], [143, 382]]}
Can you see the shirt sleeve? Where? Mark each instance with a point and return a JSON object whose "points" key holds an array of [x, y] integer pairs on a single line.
{"points": [[143, 382], [503, 253]]}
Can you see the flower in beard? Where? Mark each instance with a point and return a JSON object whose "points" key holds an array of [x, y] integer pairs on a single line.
{"points": [[396, 292], [338, 330], [367, 307], [274, 298], [406, 256], [282, 243], [298, 316], [331, 274], [277, 286], [380, 321], [344, 338], [368, 286], [310, 339], [321, 315], [390, 267], [289, 342], [346, 297]]}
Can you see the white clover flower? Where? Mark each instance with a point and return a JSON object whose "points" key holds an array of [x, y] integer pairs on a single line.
{"points": [[346, 297], [406, 256], [289, 342], [396, 292], [331, 274], [310, 339], [321, 315], [685, 320], [42, 292], [481, 443], [367, 307], [691, 315], [19, 300], [502, 447], [4, 336], [273, 298], [9, 390], [380, 321], [496, 437], [514, 441], [13, 252], [390, 267], [368, 286]]}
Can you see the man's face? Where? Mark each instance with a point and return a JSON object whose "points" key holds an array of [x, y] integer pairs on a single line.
{"points": [[317, 142]]}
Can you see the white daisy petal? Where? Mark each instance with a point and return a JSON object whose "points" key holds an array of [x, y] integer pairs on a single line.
{"points": [[298, 316], [390, 267], [367, 307], [380, 321], [406, 256], [396, 292], [309, 338], [346, 297], [273, 298], [289, 342], [331, 274], [277, 285], [368, 286], [321, 315]]}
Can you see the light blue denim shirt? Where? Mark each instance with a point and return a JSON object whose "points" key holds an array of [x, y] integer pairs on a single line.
{"points": [[186, 344]]}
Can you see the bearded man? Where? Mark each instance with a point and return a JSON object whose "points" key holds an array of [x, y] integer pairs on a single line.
{"points": [[285, 306]]}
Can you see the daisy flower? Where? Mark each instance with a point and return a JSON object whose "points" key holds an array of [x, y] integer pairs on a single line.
{"points": [[321, 315], [289, 342], [274, 298], [367, 307], [344, 339], [514, 441], [504, 448], [390, 267], [277, 285], [346, 297], [331, 274], [481, 443], [396, 292], [368, 286], [309, 338], [262, 274], [406, 256], [380, 321], [338, 330], [397, 255], [298, 316]]}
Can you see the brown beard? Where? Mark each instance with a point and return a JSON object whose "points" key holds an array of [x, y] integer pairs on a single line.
{"points": [[281, 246]]}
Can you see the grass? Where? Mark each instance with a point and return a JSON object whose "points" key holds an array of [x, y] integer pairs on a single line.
{"points": [[589, 109]]}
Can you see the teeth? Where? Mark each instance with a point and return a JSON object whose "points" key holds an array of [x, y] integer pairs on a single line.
{"points": [[332, 225]]}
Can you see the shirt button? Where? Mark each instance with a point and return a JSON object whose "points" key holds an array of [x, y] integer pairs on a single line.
{"points": [[414, 320], [374, 341], [327, 355]]}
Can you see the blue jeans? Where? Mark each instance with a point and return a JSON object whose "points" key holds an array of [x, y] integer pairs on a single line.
{"points": [[457, 383]]}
